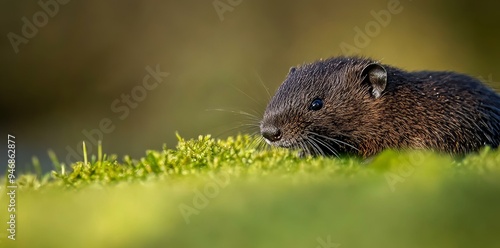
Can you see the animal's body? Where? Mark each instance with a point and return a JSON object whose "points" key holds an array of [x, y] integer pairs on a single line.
{"points": [[359, 106]]}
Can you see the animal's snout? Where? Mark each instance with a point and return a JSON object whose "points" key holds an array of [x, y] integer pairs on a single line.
{"points": [[271, 133]]}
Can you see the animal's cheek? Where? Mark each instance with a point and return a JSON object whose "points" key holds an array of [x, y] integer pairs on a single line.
{"points": [[324, 117]]}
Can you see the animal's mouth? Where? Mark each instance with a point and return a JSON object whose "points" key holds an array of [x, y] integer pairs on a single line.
{"points": [[313, 142], [283, 143], [304, 146]]}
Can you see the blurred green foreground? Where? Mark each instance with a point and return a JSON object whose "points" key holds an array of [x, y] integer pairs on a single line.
{"points": [[223, 193]]}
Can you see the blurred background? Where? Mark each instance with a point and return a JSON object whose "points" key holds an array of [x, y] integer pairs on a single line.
{"points": [[75, 70]]}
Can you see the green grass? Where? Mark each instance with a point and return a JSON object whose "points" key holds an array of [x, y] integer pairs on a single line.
{"points": [[224, 193]]}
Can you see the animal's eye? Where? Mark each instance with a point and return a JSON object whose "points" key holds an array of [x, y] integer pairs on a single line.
{"points": [[316, 104]]}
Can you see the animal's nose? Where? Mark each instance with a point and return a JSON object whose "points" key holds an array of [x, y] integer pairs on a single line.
{"points": [[271, 133]]}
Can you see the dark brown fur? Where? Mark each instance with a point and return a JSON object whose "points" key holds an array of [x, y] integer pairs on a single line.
{"points": [[442, 111]]}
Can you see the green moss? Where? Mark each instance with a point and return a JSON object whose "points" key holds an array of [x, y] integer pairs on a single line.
{"points": [[227, 193]]}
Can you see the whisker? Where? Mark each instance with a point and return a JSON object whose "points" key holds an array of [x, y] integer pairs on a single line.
{"points": [[247, 95], [241, 127], [330, 148], [326, 145], [315, 146], [264, 85], [307, 143], [257, 141], [253, 117], [303, 147], [334, 140]]}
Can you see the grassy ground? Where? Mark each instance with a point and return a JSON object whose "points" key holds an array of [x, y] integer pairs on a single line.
{"points": [[221, 193]]}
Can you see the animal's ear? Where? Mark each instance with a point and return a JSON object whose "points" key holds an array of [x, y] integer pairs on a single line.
{"points": [[292, 70], [375, 75]]}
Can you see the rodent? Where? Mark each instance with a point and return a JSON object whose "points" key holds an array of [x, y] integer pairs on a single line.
{"points": [[356, 105]]}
